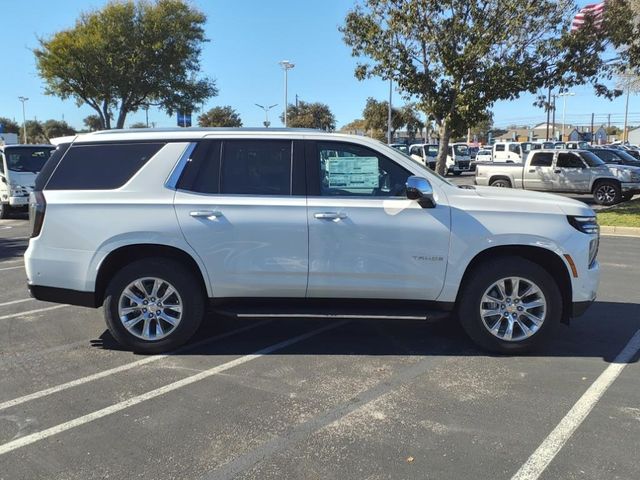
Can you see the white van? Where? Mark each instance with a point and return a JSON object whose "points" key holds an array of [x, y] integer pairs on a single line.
{"points": [[425, 153], [513, 152], [19, 166], [458, 158]]}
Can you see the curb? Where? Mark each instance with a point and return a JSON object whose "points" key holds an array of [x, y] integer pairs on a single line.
{"points": [[620, 231]]}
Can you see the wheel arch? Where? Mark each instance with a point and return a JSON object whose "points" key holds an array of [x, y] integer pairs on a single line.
{"points": [[544, 257], [500, 177], [598, 181], [124, 255]]}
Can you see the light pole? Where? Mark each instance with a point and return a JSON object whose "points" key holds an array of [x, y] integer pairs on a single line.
{"points": [[286, 66], [389, 113], [24, 119], [564, 96], [266, 113], [626, 113]]}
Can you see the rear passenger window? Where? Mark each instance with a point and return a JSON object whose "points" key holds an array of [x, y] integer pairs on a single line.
{"points": [[256, 167], [513, 148], [499, 148], [101, 167], [542, 159], [569, 160]]}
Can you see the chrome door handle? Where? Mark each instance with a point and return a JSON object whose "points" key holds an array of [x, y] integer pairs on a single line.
{"points": [[533, 170], [557, 170], [205, 214], [330, 215]]}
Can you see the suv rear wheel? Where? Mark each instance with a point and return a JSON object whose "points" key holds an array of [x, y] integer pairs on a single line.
{"points": [[4, 210], [153, 305], [509, 305]]}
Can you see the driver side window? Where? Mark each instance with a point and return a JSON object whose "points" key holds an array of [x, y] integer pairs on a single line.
{"points": [[351, 170]]}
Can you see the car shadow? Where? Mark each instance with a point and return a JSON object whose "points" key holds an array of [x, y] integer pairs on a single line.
{"points": [[12, 247], [601, 333]]}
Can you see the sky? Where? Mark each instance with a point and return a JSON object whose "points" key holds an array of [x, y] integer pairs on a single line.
{"points": [[247, 40]]}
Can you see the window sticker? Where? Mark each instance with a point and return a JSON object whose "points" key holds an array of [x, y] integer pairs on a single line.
{"points": [[353, 172]]}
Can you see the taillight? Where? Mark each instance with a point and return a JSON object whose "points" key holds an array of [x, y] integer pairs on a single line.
{"points": [[37, 207]]}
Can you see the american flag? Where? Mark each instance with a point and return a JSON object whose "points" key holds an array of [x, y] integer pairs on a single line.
{"points": [[594, 10]]}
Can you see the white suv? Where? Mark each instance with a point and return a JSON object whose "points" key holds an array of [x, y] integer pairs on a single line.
{"points": [[156, 224]]}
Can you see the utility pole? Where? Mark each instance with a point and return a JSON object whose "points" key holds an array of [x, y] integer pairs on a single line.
{"points": [[564, 96], [24, 119], [286, 66], [296, 100], [626, 112], [548, 112], [553, 121], [389, 113], [593, 137]]}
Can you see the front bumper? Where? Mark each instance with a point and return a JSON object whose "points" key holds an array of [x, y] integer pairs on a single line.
{"points": [[630, 187]]}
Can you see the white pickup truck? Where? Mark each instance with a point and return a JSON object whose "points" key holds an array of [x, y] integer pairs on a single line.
{"points": [[562, 171]]}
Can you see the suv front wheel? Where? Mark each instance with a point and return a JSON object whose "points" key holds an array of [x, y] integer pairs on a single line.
{"points": [[153, 305], [509, 305]]}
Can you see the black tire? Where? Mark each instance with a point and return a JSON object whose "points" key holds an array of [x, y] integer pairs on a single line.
{"points": [[500, 183], [5, 211], [183, 281], [607, 193], [482, 278]]}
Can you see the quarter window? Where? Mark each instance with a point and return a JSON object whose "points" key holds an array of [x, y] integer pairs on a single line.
{"points": [[499, 148], [352, 170], [101, 167], [542, 159]]}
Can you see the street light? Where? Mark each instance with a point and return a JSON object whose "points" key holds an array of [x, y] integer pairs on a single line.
{"points": [[286, 66], [24, 119], [266, 113], [564, 96]]}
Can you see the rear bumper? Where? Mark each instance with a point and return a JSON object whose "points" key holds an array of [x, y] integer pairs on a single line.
{"points": [[63, 295], [19, 201]]}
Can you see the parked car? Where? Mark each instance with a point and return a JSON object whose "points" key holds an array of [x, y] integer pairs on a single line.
{"points": [[425, 153], [483, 155], [562, 171], [621, 164], [156, 225], [400, 146], [578, 145], [458, 159], [19, 165], [513, 152]]}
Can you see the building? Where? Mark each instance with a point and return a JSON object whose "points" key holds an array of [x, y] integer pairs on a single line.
{"points": [[634, 136], [583, 134]]}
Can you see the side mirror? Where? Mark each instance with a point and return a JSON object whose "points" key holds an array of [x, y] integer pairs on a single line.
{"points": [[419, 188], [2, 179]]}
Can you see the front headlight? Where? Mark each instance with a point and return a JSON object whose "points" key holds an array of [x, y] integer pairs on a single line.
{"points": [[635, 177], [588, 225]]}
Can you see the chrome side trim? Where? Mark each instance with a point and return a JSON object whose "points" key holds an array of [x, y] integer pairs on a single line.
{"points": [[172, 181]]}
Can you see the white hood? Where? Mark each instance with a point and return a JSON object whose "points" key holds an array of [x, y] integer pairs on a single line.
{"points": [[516, 200]]}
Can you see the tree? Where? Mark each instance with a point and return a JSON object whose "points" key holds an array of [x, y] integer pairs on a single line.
{"points": [[93, 122], [35, 132], [376, 117], [56, 128], [310, 115], [9, 126], [459, 58], [412, 120], [138, 125], [220, 117], [127, 55], [355, 127]]}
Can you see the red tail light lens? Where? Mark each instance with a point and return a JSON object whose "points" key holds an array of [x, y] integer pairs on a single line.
{"points": [[37, 207]]}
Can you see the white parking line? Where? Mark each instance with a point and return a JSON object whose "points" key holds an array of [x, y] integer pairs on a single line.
{"points": [[121, 368], [37, 436], [29, 312], [8, 262], [13, 302], [12, 268], [546, 452]]}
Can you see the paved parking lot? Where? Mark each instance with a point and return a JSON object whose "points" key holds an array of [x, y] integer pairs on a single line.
{"points": [[317, 399]]}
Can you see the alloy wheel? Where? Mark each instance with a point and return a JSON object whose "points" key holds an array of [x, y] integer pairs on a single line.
{"points": [[513, 309], [606, 194], [150, 308]]}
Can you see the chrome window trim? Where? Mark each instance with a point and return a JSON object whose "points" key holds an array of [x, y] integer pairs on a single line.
{"points": [[174, 176]]}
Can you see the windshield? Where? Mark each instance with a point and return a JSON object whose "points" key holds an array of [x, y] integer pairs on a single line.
{"points": [[627, 159], [432, 150], [461, 150], [591, 159], [27, 159]]}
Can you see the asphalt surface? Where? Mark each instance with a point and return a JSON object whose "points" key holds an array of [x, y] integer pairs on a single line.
{"points": [[316, 399]]}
